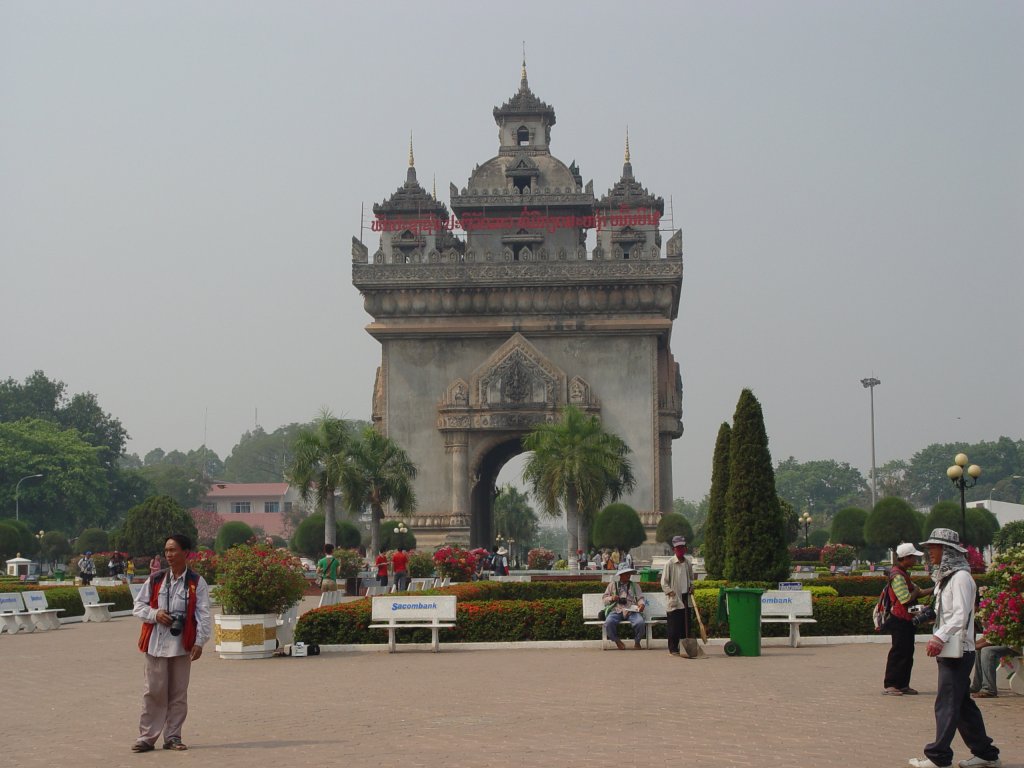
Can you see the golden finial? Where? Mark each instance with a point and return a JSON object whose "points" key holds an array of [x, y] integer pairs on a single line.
{"points": [[412, 162], [435, 187], [627, 143], [522, 77]]}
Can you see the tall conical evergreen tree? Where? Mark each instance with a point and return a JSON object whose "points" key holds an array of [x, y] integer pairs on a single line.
{"points": [[755, 537], [714, 526]]}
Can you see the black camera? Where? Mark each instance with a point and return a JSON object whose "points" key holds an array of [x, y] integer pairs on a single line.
{"points": [[623, 601], [923, 616], [177, 623]]}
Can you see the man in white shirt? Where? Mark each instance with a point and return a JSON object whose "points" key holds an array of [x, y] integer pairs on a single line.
{"points": [[174, 605], [677, 584], [955, 710]]}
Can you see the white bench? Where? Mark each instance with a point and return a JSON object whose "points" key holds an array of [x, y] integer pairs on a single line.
{"points": [[655, 614], [94, 609], [787, 607], [42, 614], [435, 613], [331, 597], [13, 617]]}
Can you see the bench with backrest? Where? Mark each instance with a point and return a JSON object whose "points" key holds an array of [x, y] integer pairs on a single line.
{"points": [[13, 617], [791, 607], [94, 609], [655, 614], [435, 613], [43, 616]]}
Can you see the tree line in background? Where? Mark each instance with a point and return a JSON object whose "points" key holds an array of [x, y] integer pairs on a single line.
{"points": [[90, 483], [822, 488]]}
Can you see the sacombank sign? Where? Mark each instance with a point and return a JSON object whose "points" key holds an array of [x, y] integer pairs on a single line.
{"points": [[414, 606]]}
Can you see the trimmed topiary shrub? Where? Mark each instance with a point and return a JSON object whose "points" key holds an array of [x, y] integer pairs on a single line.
{"points": [[93, 540], [231, 535], [618, 526], [673, 524]]}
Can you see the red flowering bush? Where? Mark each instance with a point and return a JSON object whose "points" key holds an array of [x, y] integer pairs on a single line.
{"points": [[256, 578], [975, 559], [805, 554], [838, 554], [540, 559], [455, 562], [1002, 605], [204, 562]]}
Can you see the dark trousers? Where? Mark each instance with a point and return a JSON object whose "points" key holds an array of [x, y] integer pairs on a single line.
{"points": [[955, 710], [678, 625], [901, 656]]}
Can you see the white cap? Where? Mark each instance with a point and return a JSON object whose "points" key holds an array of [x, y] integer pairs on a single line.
{"points": [[905, 550]]}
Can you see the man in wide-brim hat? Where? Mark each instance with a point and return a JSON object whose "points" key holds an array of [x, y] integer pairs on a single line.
{"points": [[955, 710], [625, 601]]}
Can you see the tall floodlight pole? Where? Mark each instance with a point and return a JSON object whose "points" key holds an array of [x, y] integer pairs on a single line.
{"points": [[17, 507], [871, 384]]}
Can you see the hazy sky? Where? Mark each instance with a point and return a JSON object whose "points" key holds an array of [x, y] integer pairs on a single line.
{"points": [[179, 184]]}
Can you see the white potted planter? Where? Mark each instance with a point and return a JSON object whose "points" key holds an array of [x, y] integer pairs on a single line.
{"points": [[252, 636]]}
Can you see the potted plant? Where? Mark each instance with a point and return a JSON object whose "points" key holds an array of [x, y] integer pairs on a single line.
{"points": [[350, 563], [256, 582], [455, 562]]}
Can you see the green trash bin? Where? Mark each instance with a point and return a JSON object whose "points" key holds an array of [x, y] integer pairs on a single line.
{"points": [[59, 574], [744, 607], [649, 574]]}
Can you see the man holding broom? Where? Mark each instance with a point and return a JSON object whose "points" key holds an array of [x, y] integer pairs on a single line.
{"points": [[677, 584]]}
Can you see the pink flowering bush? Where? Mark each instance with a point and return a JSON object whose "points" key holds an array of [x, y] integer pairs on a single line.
{"points": [[257, 578], [1002, 604], [975, 559], [455, 562], [838, 554], [540, 559]]}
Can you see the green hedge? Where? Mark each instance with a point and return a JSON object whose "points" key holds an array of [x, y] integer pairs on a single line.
{"points": [[493, 612], [871, 586], [69, 599]]}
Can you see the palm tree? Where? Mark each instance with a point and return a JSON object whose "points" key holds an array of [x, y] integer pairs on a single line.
{"points": [[577, 464], [378, 472], [316, 469]]}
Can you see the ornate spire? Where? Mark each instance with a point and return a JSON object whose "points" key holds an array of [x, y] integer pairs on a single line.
{"points": [[412, 161], [410, 175], [523, 84], [627, 145], [435, 187]]}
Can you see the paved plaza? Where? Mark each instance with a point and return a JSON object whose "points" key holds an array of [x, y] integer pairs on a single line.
{"points": [[72, 697]]}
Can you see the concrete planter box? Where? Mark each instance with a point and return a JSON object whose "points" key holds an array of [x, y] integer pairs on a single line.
{"points": [[245, 637]]}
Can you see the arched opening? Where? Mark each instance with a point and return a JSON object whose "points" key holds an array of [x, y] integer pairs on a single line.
{"points": [[481, 500], [523, 136]]}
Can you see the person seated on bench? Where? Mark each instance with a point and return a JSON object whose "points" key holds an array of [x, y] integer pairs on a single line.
{"points": [[986, 662], [626, 601]]}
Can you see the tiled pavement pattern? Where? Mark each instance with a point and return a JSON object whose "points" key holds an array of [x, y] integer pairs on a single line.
{"points": [[72, 697]]}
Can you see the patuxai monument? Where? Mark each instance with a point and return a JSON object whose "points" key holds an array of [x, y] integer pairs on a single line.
{"points": [[493, 316]]}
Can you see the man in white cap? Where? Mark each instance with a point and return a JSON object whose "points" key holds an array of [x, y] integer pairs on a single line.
{"points": [[903, 593], [955, 710], [677, 584], [624, 601]]}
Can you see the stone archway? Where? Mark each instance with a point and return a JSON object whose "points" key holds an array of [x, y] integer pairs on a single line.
{"points": [[484, 490]]}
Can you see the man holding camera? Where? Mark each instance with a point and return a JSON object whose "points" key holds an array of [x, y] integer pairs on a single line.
{"points": [[174, 605], [903, 595]]}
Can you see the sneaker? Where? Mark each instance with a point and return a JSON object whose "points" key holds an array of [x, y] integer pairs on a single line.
{"points": [[620, 645], [673, 653], [892, 692], [924, 762], [908, 691], [979, 762], [175, 743]]}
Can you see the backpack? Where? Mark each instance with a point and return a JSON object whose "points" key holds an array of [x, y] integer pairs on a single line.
{"points": [[882, 611]]}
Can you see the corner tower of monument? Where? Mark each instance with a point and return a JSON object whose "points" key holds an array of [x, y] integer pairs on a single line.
{"points": [[492, 318]]}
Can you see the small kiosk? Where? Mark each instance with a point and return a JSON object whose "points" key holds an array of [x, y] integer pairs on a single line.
{"points": [[22, 568]]}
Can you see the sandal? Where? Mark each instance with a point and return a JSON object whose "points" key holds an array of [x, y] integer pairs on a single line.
{"points": [[983, 694], [892, 692], [142, 746], [175, 744]]}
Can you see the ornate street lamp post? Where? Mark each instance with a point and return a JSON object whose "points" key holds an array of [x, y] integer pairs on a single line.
{"points": [[956, 474], [806, 519], [400, 541], [17, 509]]}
